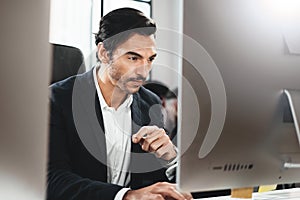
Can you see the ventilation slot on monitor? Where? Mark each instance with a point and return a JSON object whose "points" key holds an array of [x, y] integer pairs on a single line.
{"points": [[234, 167]]}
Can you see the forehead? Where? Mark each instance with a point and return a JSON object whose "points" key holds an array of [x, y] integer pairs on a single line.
{"points": [[137, 43]]}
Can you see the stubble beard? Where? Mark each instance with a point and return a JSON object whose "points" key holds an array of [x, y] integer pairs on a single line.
{"points": [[124, 84]]}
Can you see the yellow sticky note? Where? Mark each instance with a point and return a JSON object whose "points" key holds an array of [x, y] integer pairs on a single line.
{"points": [[266, 188], [244, 193]]}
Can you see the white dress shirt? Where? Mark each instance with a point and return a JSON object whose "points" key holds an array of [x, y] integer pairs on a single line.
{"points": [[117, 126]]}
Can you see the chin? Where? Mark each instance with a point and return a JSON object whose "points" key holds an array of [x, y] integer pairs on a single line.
{"points": [[132, 90]]}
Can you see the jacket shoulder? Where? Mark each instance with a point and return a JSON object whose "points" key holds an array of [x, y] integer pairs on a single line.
{"points": [[66, 86], [148, 96]]}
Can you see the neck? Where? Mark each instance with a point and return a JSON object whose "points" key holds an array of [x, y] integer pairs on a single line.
{"points": [[112, 94]]}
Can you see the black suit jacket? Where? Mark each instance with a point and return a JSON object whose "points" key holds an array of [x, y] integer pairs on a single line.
{"points": [[77, 150]]}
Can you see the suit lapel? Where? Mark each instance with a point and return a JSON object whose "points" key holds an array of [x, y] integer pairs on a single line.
{"points": [[137, 121], [136, 114], [99, 112], [142, 164], [88, 116]]}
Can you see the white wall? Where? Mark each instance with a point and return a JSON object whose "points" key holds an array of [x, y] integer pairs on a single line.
{"points": [[24, 78], [168, 16], [71, 24], [110, 5]]}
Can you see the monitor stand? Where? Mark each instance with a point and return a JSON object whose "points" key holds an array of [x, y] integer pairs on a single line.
{"points": [[293, 97]]}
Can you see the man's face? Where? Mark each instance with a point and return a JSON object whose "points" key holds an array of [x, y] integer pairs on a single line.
{"points": [[131, 63]]}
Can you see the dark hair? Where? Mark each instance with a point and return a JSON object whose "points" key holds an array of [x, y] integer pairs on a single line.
{"points": [[118, 25]]}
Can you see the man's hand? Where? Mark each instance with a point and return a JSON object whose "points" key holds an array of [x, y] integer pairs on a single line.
{"points": [[160, 191], [154, 139]]}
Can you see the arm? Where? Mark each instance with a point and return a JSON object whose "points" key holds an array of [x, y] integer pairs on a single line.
{"points": [[161, 190], [63, 182]]}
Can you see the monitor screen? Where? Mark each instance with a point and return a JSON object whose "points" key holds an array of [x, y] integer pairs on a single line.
{"points": [[239, 94]]}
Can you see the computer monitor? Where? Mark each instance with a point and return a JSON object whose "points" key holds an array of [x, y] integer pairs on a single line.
{"points": [[240, 95], [24, 79]]}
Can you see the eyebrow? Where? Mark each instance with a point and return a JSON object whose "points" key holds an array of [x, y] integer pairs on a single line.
{"points": [[139, 55]]}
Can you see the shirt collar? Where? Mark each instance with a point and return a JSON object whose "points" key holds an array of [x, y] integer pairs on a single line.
{"points": [[126, 104]]}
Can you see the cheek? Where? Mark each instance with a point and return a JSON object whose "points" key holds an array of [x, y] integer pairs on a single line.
{"points": [[118, 71], [115, 73]]}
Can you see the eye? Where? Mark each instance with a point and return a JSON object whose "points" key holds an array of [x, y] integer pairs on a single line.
{"points": [[151, 59], [133, 58]]}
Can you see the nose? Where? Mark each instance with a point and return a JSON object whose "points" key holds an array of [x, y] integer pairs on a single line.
{"points": [[144, 68]]}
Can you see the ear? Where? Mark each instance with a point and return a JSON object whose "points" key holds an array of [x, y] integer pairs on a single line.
{"points": [[102, 53]]}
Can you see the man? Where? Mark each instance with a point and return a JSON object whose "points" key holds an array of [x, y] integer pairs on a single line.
{"points": [[106, 131]]}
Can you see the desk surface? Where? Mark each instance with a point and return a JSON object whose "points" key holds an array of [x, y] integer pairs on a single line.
{"points": [[288, 194]]}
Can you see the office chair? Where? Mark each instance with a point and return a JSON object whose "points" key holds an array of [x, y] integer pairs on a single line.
{"points": [[66, 61]]}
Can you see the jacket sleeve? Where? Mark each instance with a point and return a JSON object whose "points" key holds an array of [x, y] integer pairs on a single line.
{"points": [[62, 182]]}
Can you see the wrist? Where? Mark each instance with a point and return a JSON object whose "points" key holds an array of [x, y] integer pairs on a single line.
{"points": [[174, 156], [121, 193], [127, 195]]}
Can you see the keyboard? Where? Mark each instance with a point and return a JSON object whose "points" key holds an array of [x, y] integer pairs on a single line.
{"points": [[287, 194]]}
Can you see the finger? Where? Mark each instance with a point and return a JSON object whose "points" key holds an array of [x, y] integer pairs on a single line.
{"points": [[161, 141], [155, 139], [156, 197], [166, 152], [143, 133], [188, 196], [163, 152], [169, 190], [143, 193]]}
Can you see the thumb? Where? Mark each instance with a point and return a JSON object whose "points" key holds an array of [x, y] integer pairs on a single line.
{"points": [[135, 139]]}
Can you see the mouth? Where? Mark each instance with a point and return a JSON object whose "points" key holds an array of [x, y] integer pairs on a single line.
{"points": [[137, 83]]}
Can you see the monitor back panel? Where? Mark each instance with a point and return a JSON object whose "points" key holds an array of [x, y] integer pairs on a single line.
{"points": [[237, 60]]}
